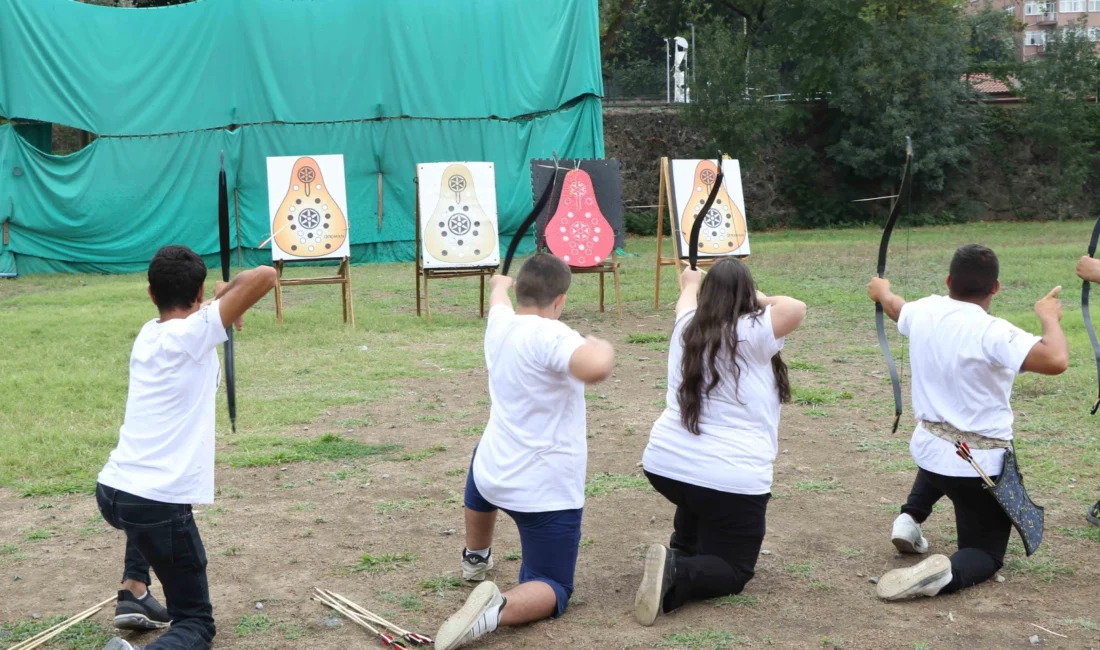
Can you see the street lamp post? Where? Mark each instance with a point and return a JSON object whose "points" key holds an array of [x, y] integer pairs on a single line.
{"points": [[668, 76], [692, 26]]}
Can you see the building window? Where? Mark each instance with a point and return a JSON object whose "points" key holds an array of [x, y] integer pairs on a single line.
{"points": [[1011, 9], [1094, 5], [1035, 38], [1073, 6], [1033, 8]]}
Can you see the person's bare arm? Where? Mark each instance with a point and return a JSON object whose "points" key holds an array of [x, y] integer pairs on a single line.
{"points": [[879, 291], [245, 290], [593, 361], [1050, 356], [689, 294], [498, 291], [787, 313]]}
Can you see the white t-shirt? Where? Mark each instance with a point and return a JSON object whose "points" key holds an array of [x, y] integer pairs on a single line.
{"points": [[166, 444], [738, 422], [534, 453], [963, 364]]}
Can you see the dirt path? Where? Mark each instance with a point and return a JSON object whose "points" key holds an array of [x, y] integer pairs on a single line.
{"points": [[276, 532]]}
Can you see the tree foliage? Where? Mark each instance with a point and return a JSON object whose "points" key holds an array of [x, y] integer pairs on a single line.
{"points": [[1063, 120]]}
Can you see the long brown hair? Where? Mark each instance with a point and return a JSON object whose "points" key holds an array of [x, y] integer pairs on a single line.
{"points": [[727, 294]]}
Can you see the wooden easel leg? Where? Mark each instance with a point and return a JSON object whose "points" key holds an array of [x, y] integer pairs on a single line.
{"points": [[416, 237], [344, 288], [481, 296], [351, 305], [418, 291], [618, 291], [660, 233], [427, 305], [279, 291], [601, 292]]}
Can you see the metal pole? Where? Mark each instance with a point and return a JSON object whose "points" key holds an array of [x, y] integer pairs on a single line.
{"points": [[692, 26], [668, 76]]}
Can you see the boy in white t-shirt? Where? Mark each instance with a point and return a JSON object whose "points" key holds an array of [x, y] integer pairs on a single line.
{"points": [[164, 461], [531, 460], [964, 362]]}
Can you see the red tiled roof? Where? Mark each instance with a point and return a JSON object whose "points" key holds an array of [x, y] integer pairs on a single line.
{"points": [[986, 84]]}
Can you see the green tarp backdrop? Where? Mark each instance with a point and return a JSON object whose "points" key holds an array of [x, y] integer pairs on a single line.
{"points": [[388, 84]]}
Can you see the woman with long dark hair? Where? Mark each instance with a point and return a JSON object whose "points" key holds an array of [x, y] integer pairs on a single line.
{"points": [[711, 451]]}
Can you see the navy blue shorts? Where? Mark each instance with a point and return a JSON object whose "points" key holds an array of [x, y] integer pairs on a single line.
{"points": [[550, 542]]}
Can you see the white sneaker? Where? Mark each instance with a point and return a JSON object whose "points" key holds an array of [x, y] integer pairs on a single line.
{"points": [[478, 617], [925, 578], [907, 537], [475, 567]]}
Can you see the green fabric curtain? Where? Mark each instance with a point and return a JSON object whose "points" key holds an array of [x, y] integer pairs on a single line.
{"points": [[388, 85]]}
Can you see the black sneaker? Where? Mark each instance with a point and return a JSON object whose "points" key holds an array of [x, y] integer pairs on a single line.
{"points": [[143, 614], [120, 644], [660, 568]]}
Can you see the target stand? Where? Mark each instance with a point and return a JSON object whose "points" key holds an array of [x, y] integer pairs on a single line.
{"points": [[444, 273], [342, 277]]}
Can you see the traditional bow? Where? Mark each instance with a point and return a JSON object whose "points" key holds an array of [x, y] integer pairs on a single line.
{"points": [[1088, 317], [880, 323], [700, 217], [530, 220], [223, 227]]}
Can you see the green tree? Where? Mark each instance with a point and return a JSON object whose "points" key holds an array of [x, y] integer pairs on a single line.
{"points": [[1063, 118]]}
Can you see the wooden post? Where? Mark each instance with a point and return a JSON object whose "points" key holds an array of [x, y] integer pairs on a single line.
{"points": [[660, 228], [481, 296], [380, 204], [6, 241], [618, 291], [279, 291], [416, 240]]}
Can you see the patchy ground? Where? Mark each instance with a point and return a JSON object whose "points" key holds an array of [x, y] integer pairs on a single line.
{"points": [[277, 531], [365, 498]]}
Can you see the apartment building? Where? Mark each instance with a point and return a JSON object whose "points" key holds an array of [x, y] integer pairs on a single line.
{"points": [[1041, 18]]}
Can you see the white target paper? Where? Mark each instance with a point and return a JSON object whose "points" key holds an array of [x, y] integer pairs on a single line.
{"points": [[458, 214], [308, 205], [725, 227]]}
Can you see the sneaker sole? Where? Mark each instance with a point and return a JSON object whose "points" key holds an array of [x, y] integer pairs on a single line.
{"points": [[455, 627], [905, 545], [901, 584], [138, 622], [647, 602]]}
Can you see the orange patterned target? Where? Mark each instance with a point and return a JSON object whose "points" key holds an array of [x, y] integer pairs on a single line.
{"points": [[308, 222]]}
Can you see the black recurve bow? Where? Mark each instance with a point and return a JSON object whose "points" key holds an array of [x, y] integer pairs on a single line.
{"points": [[1088, 317], [697, 225], [226, 249], [880, 322], [530, 220]]}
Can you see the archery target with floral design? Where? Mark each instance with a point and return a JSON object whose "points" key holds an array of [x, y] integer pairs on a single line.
{"points": [[458, 214], [307, 198], [725, 229]]}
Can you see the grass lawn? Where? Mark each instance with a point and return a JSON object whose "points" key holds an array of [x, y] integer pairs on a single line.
{"points": [[67, 338]]}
